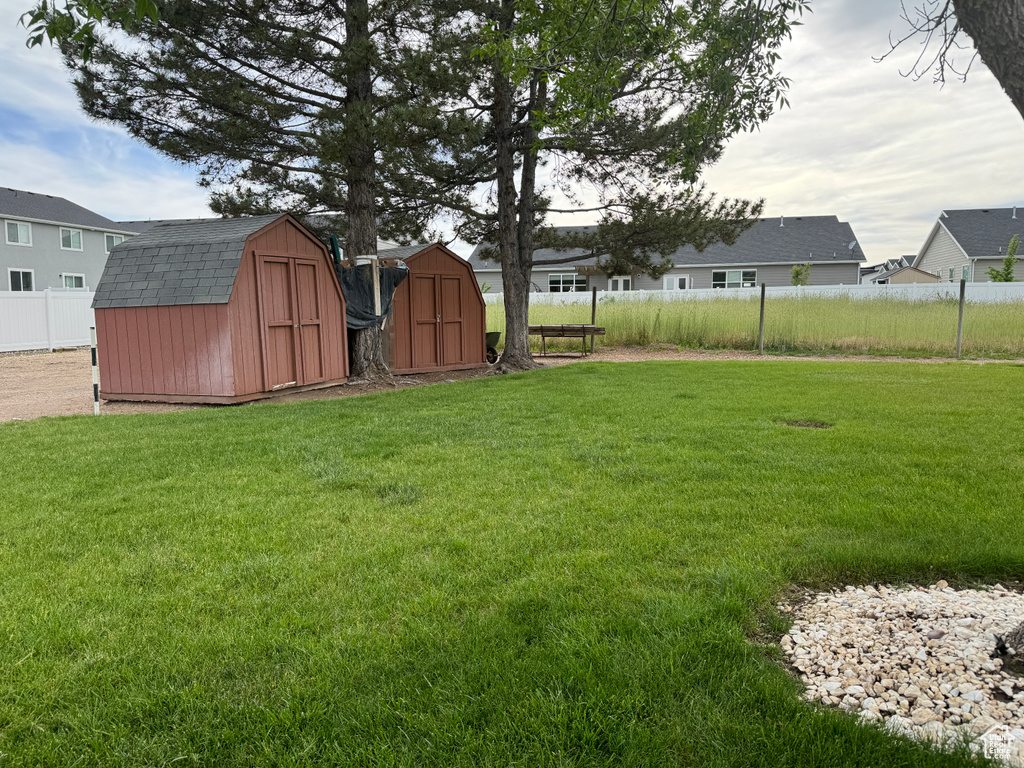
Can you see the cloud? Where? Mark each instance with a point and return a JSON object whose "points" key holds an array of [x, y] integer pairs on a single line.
{"points": [[48, 145], [879, 150]]}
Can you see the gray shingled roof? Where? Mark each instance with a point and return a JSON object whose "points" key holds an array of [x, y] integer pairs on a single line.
{"points": [[816, 239], [18, 204], [193, 262], [144, 225], [984, 233], [402, 251]]}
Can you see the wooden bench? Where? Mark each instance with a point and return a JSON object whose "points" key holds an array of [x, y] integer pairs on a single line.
{"points": [[566, 332]]}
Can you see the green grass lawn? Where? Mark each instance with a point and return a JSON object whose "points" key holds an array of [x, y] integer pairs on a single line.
{"points": [[573, 566], [795, 325]]}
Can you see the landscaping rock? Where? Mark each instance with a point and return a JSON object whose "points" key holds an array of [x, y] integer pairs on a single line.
{"points": [[916, 660]]}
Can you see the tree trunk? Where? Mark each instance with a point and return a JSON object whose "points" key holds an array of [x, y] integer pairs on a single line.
{"points": [[997, 29], [361, 206], [516, 263]]}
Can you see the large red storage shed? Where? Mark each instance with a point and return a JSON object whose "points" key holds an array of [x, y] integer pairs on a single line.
{"points": [[219, 311], [439, 319]]}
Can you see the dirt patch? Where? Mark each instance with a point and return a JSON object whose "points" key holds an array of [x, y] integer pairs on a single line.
{"points": [[805, 423], [60, 383]]}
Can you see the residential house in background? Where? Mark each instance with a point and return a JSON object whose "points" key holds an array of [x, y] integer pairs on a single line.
{"points": [[895, 272], [767, 252], [50, 242], [964, 244]]}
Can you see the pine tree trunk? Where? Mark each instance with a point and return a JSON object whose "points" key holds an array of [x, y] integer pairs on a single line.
{"points": [[361, 207]]}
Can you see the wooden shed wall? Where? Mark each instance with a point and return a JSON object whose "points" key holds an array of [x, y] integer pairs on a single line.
{"points": [[177, 350], [215, 352], [283, 239], [404, 334]]}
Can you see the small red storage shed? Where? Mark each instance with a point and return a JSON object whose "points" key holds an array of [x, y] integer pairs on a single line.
{"points": [[439, 321], [219, 311]]}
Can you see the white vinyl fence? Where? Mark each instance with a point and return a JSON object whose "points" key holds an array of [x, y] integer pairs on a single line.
{"points": [[985, 293], [44, 319]]}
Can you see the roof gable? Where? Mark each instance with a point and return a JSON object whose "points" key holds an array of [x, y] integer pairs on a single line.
{"points": [[814, 239], [983, 233], [19, 204], [192, 262]]}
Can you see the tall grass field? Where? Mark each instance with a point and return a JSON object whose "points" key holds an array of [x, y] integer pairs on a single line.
{"points": [[796, 325], [574, 566]]}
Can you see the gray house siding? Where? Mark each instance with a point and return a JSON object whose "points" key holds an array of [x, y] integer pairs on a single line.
{"points": [[772, 275], [981, 267], [700, 276], [47, 260], [941, 255]]}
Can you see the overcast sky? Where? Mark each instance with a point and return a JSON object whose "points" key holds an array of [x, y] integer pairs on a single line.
{"points": [[859, 141]]}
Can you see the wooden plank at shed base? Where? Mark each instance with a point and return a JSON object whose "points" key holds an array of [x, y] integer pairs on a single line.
{"points": [[440, 369], [217, 399]]}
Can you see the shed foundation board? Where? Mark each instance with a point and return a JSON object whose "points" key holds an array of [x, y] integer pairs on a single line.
{"points": [[214, 400], [464, 367]]}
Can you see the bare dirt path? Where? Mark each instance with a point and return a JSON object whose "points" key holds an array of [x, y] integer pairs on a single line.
{"points": [[60, 384]]}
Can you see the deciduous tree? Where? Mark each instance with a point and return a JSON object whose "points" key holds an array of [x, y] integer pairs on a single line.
{"points": [[800, 274], [1005, 273], [995, 29], [626, 103]]}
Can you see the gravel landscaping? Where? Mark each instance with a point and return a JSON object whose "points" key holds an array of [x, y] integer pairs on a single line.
{"points": [[34, 384], [917, 659]]}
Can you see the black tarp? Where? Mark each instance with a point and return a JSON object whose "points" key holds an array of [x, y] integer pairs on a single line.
{"points": [[357, 285]]}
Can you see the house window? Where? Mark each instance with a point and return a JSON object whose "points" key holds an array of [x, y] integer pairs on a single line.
{"points": [[112, 240], [567, 283], [951, 270], [19, 233], [70, 239], [74, 281], [734, 278], [20, 279], [620, 283], [964, 270], [676, 283]]}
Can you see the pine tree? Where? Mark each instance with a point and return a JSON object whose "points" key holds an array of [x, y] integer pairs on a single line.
{"points": [[288, 105]]}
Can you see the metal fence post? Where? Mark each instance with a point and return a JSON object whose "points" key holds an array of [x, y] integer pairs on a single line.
{"points": [[760, 328], [593, 316], [960, 320]]}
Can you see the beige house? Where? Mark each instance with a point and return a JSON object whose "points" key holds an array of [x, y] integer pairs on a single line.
{"points": [[965, 244], [903, 276]]}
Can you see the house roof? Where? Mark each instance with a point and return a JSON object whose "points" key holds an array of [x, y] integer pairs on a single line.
{"points": [[143, 225], [401, 251], [193, 262], [984, 233], [801, 239], [885, 275], [19, 204]]}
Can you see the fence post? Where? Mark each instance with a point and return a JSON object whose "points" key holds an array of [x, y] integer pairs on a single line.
{"points": [[95, 373], [593, 315], [760, 328], [48, 309], [960, 320]]}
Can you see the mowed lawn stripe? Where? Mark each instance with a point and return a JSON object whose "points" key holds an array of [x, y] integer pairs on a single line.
{"points": [[560, 567]]}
